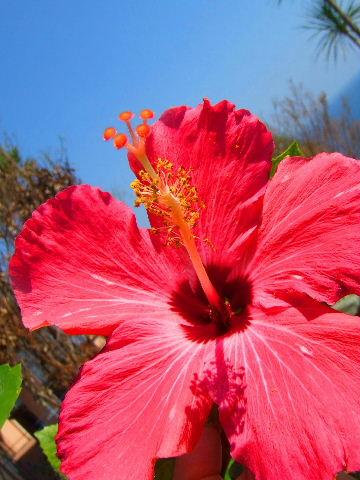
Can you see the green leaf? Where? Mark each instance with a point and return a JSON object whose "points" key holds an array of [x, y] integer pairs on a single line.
{"points": [[164, 469], [228, 468], [233, 470], [293, 150], [46, 438], [349, 304], [10, 387]]}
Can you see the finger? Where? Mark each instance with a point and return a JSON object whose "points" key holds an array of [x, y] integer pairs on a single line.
{"points": [[204, 462]]}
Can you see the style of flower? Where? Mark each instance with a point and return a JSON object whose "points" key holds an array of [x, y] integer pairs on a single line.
{"points": [[222, 302]]}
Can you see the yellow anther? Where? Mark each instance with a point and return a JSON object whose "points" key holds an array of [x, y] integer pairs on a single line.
{"points": [[169, 195]]}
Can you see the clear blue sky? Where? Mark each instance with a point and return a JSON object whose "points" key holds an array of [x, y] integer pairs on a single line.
{"points": [[68, 67]]}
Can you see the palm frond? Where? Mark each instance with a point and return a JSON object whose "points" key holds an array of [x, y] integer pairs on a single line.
{"points": [[332, 29]]}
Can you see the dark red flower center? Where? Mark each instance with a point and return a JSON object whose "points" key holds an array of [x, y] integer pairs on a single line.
{"points": [[205, 320]]}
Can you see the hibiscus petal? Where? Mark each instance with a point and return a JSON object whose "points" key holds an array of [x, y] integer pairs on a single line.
{"points": [[228, 153], [133, 404], [310, 232], [81, 263], [300, 407]]}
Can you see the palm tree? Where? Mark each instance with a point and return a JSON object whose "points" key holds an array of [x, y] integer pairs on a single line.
{"points": [[336, 25]]}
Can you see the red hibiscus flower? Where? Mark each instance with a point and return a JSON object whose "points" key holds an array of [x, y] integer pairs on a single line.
{"points": [[223, 302]]}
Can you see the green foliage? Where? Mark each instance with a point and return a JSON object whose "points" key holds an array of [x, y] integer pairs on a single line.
{"points": [[46, 438], [293, 150], [164, 469], [349, 304], [233, 470], [10, 387], [336, 24], [228, 470]]}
